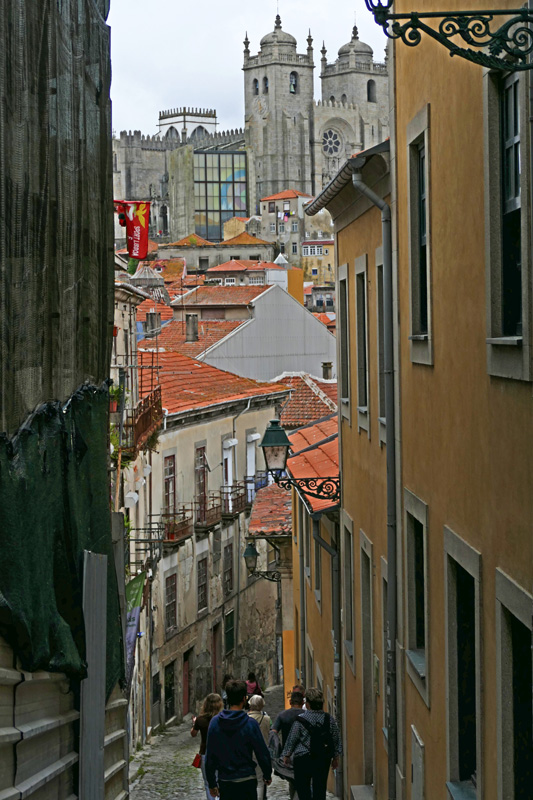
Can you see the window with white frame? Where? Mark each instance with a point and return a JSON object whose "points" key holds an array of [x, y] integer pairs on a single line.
{"points": [[281, 227], [514, 687], [201, 570], [230, 281], [272, 227], [286, 205], [507, 214], [463, 646], [361, 334], [228, 568], [326, 253], [169, 466], [305, 250], [344, 344], [312, 250], [314, 271], [319, 234], [294, 226], [256, 280], [419, 234], [170, 603], [417, 606]]}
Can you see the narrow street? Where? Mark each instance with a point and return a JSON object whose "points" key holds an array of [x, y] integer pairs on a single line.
{"points": [[163, 771]]}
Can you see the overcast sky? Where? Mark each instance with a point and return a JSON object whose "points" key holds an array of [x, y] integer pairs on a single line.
{"points": [[173, 53]]}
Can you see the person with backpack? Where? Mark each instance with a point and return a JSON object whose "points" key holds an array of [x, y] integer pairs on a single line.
{"points": [[282, 726], [256, 712], [252, 686], [314, 744]]}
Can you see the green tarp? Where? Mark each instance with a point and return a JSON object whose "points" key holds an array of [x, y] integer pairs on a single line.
{"points": [[54, 504]]}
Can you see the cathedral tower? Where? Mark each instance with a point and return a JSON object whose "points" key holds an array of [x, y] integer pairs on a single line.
{"points": [[278, 103]]}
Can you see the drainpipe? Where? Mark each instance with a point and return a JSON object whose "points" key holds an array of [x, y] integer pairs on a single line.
{"points": [[386, 222], [336, 621], [238, 603], [302, 592]]}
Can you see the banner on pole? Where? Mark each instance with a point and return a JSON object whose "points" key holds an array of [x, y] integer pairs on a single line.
{"points": [[134, 598], [136, 215]]}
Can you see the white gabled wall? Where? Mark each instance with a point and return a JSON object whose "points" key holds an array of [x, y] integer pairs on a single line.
{"points": [[282, 337]]}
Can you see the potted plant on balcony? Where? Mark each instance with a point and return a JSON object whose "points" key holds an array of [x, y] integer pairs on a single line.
{"points": [[115, 396]]}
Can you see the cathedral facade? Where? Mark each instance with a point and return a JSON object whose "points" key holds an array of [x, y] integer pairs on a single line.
{"points": [[289, 139]]}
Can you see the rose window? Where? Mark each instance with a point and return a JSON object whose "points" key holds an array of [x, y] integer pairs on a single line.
{"points": [[331, 143]]}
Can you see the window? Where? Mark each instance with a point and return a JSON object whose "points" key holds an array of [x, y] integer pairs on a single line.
{"points": [[332, 98], [230, 281], [305, 250], [228, 568], [237, 258], [170, 604], [295, 227], [295, 248], [515, 687], [344, 99], [507, 199], [417, 634], [229, 632], [361, 343], [326, 253], [282, 247], [319, 249], [306, 542], [343, 313], [220, 191], [200, 482], [293, 83], [202, 584], [463, 647], [319, 301], [318, 567], [312, 250], [286, 205], [256, 280], [331, 143], [272, 227], [371, 91], [314, 271], [281, 227], [319, 234], [255, 86], [329, 301], [348, 593], [380, 344], [265, 85], [419, 234], [169, 484], [271, 207]]}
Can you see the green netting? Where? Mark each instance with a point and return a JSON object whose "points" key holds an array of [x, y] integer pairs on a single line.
{"points": [[54, 500]]}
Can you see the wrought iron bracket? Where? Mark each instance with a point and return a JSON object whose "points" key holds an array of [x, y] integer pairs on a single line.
{"points": [[273, 575], [321, 488], [506, 47]]}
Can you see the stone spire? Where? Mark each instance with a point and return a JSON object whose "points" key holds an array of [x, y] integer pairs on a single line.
{"points": [[310, 44], [324, 60], [277, 24], [246, 46]]}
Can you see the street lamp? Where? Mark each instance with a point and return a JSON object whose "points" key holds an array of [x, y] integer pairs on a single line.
{"points": [[276, 447], [507, 47], [250, 556]]}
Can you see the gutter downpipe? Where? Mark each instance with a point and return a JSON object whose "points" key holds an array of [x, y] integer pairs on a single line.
{"points": [[303, 609], [388, 359], [238, 603]]}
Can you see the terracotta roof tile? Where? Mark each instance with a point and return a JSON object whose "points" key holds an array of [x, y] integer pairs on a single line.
{"points": [[320, 459], [209, 333], [243, 238], [223, 295], [311, 399], [287, 194], [271, 512], [187, 384], [151, 305], [193, 240], [169, 268]]}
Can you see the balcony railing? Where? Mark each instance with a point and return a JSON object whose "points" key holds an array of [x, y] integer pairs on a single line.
{"points": [[253, 483], [177, 525], [233, 499], [142, 421], [208, 512]]}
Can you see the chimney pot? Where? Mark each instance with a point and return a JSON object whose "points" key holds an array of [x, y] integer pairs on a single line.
{"points": [[191, 327], [327, 368]]}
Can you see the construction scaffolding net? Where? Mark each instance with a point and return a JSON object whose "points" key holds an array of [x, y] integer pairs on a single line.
{"points": [[56, 211]]}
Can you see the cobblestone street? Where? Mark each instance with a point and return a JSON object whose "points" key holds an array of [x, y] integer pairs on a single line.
{"points": [[162, 770]]}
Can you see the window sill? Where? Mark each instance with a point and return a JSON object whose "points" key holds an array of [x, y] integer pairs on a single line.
{"points": [[385, 732], [203, 613], [506, 341], [349, 653], [318, 600], [419, 337], [418, 662], [461, 790]]}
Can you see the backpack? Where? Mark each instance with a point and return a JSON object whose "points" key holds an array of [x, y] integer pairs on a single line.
{"points": [[321, 745]]}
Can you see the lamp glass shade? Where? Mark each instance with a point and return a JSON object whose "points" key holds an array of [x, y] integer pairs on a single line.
{"points": [[250, 556], [275, 446]]}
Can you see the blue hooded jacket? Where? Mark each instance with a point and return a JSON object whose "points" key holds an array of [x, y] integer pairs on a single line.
{"points": [[232, 739]]}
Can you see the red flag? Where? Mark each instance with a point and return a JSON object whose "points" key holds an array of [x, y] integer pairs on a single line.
{"points": [[137, 217]]}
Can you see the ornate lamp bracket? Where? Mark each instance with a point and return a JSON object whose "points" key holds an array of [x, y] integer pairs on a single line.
{"points": [[272, 575], [505, 47], [321, 488]]}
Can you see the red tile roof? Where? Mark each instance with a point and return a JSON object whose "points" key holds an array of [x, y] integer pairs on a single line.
{"points": [[319, 460], [322, 316], [244, 265], [308, 290], [210, 331], [287, 194], [311, 399], [223, 295], [187, 384], [151, 305], [243, 238], [271, 512], [193, 240], [169, 268]]}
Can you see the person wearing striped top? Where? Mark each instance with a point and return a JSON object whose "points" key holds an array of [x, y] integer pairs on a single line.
{"points": [[311, 767]]}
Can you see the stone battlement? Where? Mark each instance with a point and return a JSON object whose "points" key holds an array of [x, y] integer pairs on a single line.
{"points": [[360, 66], [196, 112], [336, 104], [155, 142]]}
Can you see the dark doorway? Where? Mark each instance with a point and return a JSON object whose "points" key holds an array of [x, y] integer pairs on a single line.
{"points": [[170, 705]]}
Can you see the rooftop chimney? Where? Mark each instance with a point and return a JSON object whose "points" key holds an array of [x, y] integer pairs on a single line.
{"points": [[191, 327], [327, 368], [153, 324]]}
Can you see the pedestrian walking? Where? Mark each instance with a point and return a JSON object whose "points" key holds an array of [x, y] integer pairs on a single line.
{"points": [[314, 744], [256, 712], [252, 686], [211, 706], [284, 722], [224, 695], [232, 740]]}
